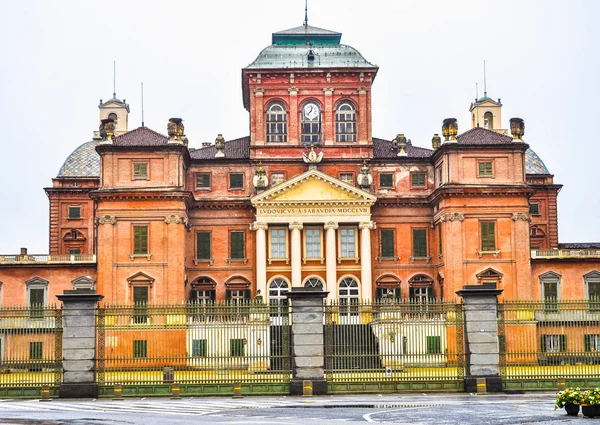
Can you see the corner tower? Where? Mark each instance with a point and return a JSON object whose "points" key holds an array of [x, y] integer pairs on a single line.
{"points": [[308, 88]]}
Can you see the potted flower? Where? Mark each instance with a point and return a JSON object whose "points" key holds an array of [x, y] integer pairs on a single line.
{"points": [[590, 405], [570, 399]]}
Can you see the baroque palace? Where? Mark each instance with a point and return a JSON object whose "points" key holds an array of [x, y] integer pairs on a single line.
{"points": [[309, 199]]}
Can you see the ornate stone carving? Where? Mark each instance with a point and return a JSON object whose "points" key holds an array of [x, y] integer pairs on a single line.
{"points": [[176, 219], [453, 217], [175, 130], [107, 129], [259, 225], [331, 225], [293, 91], [220, 145], [107, 219], [312, 158], [296, 225], [362, 90], [367, 225], [521, 216], [328, 91], [259, 91]]}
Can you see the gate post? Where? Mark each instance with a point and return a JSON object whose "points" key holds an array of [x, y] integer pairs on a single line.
{"points": [[482, 349], [79, 343], [308, 351]]}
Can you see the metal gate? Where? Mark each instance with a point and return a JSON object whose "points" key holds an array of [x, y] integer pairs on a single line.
{"points": [[396, 345]]}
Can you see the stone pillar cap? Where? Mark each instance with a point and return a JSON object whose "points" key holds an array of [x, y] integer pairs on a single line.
{"points": [[479, 290], [299, 293], [82, 294]]}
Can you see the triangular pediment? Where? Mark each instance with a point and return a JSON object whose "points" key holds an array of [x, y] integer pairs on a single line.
{"points": [[314, 187]]}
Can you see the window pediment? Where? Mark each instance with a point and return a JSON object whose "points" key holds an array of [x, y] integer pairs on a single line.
{"points": [[83, 282], [489, 273], [595, 275], [140, 278], [37, 281], [550, 275]]}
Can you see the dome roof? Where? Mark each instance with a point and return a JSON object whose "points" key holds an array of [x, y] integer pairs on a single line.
{"points": [[534, 164], [83, 162]]}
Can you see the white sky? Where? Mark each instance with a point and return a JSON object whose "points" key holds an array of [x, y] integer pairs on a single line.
{"points": [[57, 62]]}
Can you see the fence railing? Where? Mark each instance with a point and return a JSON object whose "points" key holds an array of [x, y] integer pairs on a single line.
{"points": [[30, 346], [565, 253], [47, 259], [193, 343], [549, 339], [394, 340]]}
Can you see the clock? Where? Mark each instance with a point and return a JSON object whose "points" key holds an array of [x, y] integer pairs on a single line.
{"points": [[311, 111]]}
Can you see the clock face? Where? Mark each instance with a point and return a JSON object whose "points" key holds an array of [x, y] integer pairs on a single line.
{"points": [[311, 111]]}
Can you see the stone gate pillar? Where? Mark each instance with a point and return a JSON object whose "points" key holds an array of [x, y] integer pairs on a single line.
{"points": [[308, 351], [79, 343], [482, 350]]}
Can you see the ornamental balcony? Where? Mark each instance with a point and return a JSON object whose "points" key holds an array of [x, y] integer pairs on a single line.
{"points": [[34, 259], [564, 253]]}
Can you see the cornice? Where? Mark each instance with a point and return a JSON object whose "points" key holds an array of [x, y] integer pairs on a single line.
{"points": [[446, 191], [140, 194], [461, 147]]}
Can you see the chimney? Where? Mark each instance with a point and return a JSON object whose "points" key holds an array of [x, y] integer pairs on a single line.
{"points": [[23, 251]]}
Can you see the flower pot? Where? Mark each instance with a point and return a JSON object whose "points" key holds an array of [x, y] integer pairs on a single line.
{"points": [[572, 409], [590, 410]]}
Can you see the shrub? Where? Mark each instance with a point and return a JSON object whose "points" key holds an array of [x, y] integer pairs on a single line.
{"points": [[570, 395]]}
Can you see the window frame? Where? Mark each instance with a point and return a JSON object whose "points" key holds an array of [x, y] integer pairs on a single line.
{"points": [[140, 348], [277, 173], [279, 137], [199, 348], [136, 174], [386, 174], [340, 244], [207, 174], [534, 211], [241, 187], [343, 137], [74, 208], [234, 347], [286, 255], [305, 242], [412, 180], [382, 254], [37, 310], [485, 172], [485, 245], [139, 250], [347, 173], [36, 350], [416, 254], [197, 257], [312, 135], [243, 233]]}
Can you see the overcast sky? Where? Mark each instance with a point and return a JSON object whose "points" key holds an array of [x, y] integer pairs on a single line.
{"points": [[57, 62]]}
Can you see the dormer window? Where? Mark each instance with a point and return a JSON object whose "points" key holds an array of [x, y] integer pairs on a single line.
{"points": [[345, 123], [276, 123], [311, 124]]}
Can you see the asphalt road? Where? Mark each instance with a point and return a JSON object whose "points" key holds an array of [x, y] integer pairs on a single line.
{"points": [[439, 409]]}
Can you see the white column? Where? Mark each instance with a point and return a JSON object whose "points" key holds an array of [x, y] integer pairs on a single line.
{"points": [[296, 246], [330, 259], [365, 259], [261, 257]]}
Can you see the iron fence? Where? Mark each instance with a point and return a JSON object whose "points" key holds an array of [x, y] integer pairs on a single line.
{"points": [[30, 346], [550, 340], [394, 341], [193, 343]]}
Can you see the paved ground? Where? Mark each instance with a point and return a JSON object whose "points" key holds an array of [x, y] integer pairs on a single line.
{"points": [[462, 409]]}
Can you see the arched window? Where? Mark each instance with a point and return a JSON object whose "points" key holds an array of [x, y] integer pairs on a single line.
{"points": [[277, 299], [314, 283], [345, 123], [311, 123], [348, 297], [421, 288], [114, 117], [276, 123], [488, 121]]}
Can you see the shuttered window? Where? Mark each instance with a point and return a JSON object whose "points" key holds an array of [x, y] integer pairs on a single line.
{"points": [[203, 180], [417, 180], [554, 343], [592, 342], [236, 240], [386, 180], [140, 170], [488, 236], [387, 243], [140, 239], [419, 243], [140, 348], [486, 169], [37, 302], [236, 181], [203, 245], [434, 345], [237, 347], [199, 348], [36, 350], [140, 301]]}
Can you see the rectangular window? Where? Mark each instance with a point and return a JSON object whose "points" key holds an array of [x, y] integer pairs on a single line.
{"points": [[202, 296], [74, 212], [534, 209], [36, 350], [277, 178], [203, 181], [550, 295], [434, 345], [313, 243], [140, 170], [592, 342], [140, 348], [199, 348], [76, 251], [485, 169], [203, 241], [593, 288], [140, 302], [140, 239], [347, 178], [37, 302], [236, 243], [417, 180], [347, 242], [440, 241], [386, 180], [237, 296], [387, 294], [439, 174], [387, 243], [236, 181], [554, 343], [419, 243], [488, 235], [278, 246], [237, 347]]}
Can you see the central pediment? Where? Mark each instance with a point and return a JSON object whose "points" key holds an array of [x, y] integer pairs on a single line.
{"points": [[314, 187]]}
